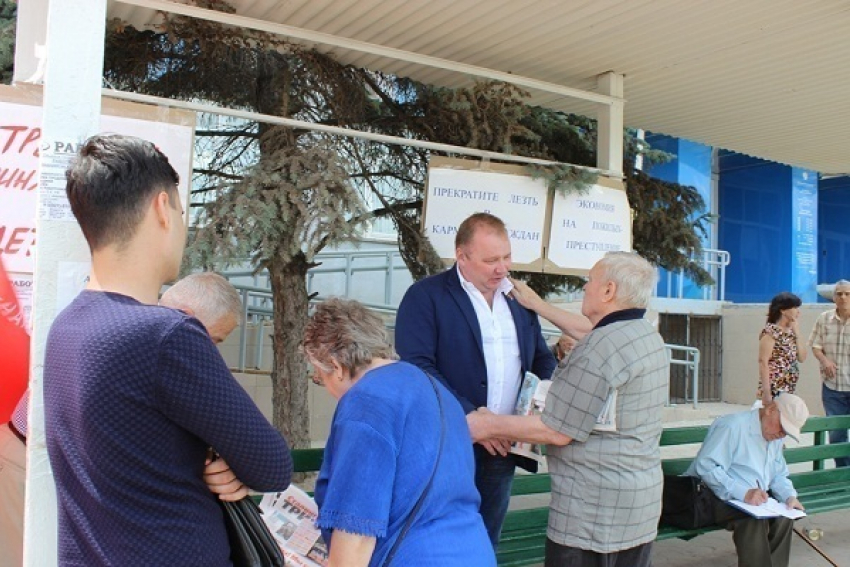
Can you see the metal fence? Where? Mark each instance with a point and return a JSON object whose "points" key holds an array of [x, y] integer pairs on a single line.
{"points": [[257, 311]]}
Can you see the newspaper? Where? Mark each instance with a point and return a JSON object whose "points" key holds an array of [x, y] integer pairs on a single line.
{"points": [[291, 518], [607, 420], [531, 401]]}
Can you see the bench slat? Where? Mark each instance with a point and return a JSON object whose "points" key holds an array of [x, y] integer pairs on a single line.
{"points": [[683, 435], [818, 423], [307, 460], [526, 519], [531, 484], [816, 452], [819, 478]]}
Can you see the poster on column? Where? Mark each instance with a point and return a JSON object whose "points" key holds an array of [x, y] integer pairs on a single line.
{"points": [[458, 188], [20, 147]]}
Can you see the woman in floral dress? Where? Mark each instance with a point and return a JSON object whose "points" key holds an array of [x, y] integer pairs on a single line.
{"points": [[781, 348]]}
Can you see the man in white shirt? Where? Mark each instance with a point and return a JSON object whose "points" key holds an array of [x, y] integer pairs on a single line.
{"points": [[462, 327]]}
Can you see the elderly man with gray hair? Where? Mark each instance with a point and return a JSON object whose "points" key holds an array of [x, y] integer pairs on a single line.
{"points": [[209, 298], [606, 482], [830, 344]]}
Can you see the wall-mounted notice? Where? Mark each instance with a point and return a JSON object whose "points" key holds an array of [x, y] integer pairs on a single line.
{"points": [[585, 227], [456, 191], [549, 232], [21, 144]]}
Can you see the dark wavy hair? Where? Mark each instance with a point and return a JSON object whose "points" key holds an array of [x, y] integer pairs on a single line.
{"points": [[781, 302], [111, 184]]}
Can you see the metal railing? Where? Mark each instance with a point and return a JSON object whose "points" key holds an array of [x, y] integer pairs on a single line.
{"points": [[257, 303], [256, 311], [353, 264], [690, 360], [714, 262], [678, 355]]}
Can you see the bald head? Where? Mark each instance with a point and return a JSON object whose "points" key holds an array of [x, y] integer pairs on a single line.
{"points": [[208, 297]]}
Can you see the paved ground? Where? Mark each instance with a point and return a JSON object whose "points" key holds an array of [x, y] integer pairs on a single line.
{"points": [[716, 549]]}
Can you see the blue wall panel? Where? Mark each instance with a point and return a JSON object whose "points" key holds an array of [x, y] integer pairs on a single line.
{"points": [[834, 230], [692, 166], [755, 227]]}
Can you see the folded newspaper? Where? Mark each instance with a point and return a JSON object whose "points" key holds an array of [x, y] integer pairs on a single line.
{"points": [[531, 401], [291, 517]]}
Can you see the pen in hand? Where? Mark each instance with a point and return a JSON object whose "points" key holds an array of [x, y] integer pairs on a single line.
{"points": [[760, 496]]}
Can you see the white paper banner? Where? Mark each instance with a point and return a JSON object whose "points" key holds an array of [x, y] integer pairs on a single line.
{"points": [[585, 227], [454, 194]]}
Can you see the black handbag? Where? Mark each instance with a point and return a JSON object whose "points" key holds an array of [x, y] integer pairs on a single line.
{"points": [[686, 503], [251, 543]]}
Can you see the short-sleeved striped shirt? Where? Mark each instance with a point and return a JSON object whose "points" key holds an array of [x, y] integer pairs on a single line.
{"points": [[832, 336], [606, 486]]}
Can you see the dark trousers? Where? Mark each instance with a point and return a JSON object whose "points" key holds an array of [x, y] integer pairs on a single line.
{"points": [[493, 478], [836, 403], [758, 542], [562, 556]]}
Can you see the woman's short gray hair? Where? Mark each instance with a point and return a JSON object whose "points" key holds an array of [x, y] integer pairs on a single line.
{"points": [[634, 276], [345, 331], [208, 295]]}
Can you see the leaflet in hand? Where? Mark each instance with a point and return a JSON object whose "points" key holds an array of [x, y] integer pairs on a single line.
{"points": [[291, 517], [770, 509], [531, 400], [607, 420]]}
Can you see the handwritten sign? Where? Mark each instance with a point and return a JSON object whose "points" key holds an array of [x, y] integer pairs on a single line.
{"points": [[586, 226], [454, 194], [20, 136], [549, 232]]}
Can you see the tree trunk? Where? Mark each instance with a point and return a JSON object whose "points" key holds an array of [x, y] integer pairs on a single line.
{"points": [[289, 377]]}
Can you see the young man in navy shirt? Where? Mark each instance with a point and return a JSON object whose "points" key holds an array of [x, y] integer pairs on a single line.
{"points": [[135, 394]]}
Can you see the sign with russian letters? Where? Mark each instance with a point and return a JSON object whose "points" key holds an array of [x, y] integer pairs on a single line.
{"points": [[549, 232], [455, 193], [20, 147], [586, 226]]}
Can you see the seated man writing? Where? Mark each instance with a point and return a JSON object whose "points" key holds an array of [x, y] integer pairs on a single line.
{"points": [[741, 459]]}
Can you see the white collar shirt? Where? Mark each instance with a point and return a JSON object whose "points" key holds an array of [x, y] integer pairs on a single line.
{"points": [[500, 343]]}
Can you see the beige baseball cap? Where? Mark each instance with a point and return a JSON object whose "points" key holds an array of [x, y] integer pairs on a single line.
{"points": [[793, 414]]}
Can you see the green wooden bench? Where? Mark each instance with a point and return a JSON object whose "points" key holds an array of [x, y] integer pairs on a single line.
{"points": [[524, 531], [820, 489]]}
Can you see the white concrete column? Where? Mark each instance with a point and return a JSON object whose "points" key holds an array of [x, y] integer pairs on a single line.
{"points": [[75, 37], [609, 151]]}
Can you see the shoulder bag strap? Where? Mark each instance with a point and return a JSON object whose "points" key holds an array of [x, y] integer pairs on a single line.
{"points": [[415, 511]]}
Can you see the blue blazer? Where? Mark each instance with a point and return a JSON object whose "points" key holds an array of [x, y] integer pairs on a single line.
{"points": [[438, 331]]}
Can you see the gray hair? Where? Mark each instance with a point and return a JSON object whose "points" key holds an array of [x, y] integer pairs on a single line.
{"points": [[208, 295], [839, 283], [634, 277], [345, 331]]}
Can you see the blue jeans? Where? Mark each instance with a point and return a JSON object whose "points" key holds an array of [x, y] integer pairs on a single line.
{"points": [[837, 403], [493, 479]]}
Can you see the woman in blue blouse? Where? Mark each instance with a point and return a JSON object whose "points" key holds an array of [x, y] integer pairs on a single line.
{"points": [[382, 449]]}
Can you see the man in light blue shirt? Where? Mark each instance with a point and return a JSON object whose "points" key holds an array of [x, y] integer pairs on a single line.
{"points": [[741, 459]]}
